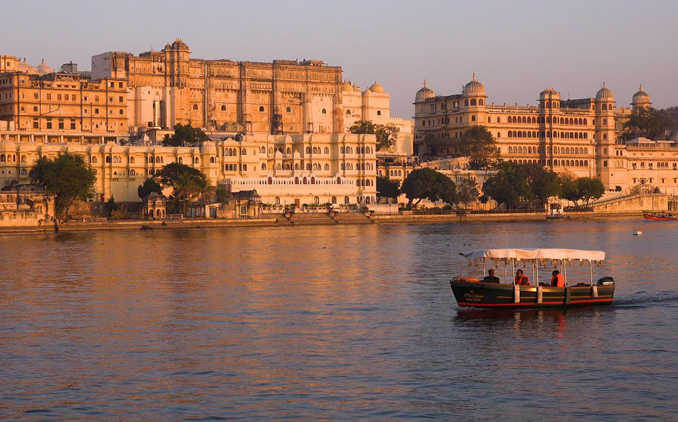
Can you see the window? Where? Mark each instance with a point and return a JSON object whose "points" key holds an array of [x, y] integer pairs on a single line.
{"points": [[378, 112], [289, 109], [261, 108], [96, 111], [49, 123], [72, 124], [348, 112], [324, 111], [195, 106], [223, 108]]}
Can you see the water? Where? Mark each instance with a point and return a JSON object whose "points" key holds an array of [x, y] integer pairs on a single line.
{"points": [[328, 323]]}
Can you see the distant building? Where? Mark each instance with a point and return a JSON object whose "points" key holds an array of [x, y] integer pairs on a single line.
{"points": [[577, 137]]}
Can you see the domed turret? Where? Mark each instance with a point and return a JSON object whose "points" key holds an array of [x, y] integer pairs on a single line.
{"points": [[43, 69], [549, 93], [425, 93], [376, 87], [346, 86], [640, 98], [474, 87], [24, 67], [604, 94]]}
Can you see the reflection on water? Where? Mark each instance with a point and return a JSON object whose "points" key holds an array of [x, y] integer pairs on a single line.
{"points": [[336, 323]]}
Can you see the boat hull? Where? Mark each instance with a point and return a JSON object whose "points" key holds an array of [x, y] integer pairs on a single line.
{"points": [[652, 217], [503, 296]]}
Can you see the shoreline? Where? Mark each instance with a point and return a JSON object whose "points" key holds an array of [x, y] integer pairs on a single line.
{"points": [[307, 220]]}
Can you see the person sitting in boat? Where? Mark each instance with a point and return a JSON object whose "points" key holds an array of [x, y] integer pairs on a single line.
{"points": [[557, 280], [521, 279], [490, 278]]}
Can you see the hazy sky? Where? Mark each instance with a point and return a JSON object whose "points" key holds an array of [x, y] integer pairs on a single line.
{"points": [[516, 48]]}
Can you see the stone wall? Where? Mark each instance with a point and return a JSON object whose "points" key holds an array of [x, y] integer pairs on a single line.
{"points": [[631, 203]]}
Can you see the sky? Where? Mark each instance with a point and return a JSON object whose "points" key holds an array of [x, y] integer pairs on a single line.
{"points": [[516, 48]]}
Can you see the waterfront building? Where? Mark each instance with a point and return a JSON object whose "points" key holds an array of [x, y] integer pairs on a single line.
{"points": [[578, 137], [283, 169], [38, 104]]}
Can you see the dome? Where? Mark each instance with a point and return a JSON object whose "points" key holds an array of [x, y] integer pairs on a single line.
{"points": [[549, 93], [425, 93], [347, 86], [641, 97], [356, 88], [474, 87], [43, 69], [376, 87], [24, 67], [604, 94]]}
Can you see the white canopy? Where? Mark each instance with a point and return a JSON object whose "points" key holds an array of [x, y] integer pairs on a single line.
{"points": [[534, 254]]}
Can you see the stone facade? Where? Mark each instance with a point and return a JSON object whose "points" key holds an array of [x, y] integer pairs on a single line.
{"points": [[25, 205], [577, 137], [283, 169], [41, 105]]}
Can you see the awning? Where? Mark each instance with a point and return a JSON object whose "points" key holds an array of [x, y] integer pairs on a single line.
{"points": [[534, 254]]}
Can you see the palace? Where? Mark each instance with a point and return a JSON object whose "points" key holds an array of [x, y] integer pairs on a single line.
{"points": [[578, 137], [125, 94], [283, 169]]}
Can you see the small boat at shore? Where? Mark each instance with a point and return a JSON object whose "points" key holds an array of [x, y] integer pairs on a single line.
{"points": [[659, 217], [482, 293]]}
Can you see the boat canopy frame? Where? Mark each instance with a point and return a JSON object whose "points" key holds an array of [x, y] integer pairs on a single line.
{"points": [[536, 257]]}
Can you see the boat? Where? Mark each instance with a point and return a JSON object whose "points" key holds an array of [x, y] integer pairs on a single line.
{"points": [[469, 291], [659, 217]]}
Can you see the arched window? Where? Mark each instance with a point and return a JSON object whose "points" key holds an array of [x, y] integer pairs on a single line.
{"points": [[346, 200], [289, 150], [131, 160], [327, 166], [181, 160], [277, 200], [378, 112], [132, 172], [348, 112], [93, 160], [466, 102], [473, 118], [604, 106], [108, 159], [473, 101], [261, 108], [223, 108], [308, 167], [195, 106], [326, 150], [212, 160], [308, 150], [480, 101], [24, 172], [324, 111]]}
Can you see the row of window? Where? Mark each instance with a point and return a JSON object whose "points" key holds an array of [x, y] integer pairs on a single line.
{"points": [[547, 150], [546, 134], [546, 119], [650, 180], [660, 165], [564, 163]]}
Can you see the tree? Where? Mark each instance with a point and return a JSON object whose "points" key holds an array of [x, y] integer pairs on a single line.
{"points": [[428, 184], [569, 189], [647, 122], [67, 177], [543, 183], [386, 134], [387, 188], [223, 195], [508, 186], [477, 143], [590, 188], [150, 185], [110, 206], [186, 182], [467, 191], [184, 135]]}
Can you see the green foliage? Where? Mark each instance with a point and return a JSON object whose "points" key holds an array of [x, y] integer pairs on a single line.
{"points": [[386, 134], [184, 135], [590, 188], [467, 191], [569, 189], [387, 188], [429, 184], [187, 183], [110, 206], [508, 186], [223, 195], [477, 143], [150, 185], [67, 177], [648, 123], [543, 183]]}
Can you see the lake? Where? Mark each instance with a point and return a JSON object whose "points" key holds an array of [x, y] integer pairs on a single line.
{"points": [[328, 323]]}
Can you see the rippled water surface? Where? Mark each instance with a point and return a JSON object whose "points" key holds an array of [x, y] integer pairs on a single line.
{"points": [[328, 323]]}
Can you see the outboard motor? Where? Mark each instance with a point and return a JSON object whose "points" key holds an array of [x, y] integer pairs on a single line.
{"points": [[606, 281]]}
